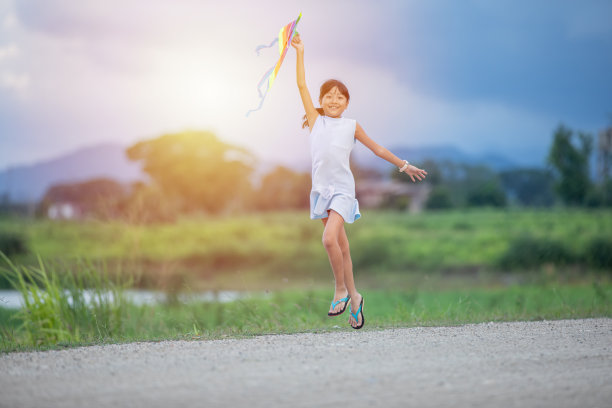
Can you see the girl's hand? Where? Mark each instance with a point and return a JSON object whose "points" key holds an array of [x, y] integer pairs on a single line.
{"points": [[297, 43], [414, 171]]}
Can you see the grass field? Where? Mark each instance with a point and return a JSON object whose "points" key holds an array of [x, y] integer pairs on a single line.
{"points": [[294, 311], [436, 268], [217, 252]]}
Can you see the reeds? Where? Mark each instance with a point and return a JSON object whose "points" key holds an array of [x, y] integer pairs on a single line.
{"points": [[64, 306]]}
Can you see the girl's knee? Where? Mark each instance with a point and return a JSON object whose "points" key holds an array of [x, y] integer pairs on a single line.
{"points": [[329, 241]]}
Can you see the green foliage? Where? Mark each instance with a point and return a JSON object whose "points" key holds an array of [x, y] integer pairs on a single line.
{"points": [[210, 249], [305, 309], [599, 195], [531, 187], [571, 164], [97, 197], [460, 185], [56, 306], [531, 252], [598, 253], [439, 198], [487, 194], [201, 171], [12, 244], [148, 204]]}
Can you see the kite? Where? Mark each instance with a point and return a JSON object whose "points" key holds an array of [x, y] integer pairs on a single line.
{"points": [[284, 41]]}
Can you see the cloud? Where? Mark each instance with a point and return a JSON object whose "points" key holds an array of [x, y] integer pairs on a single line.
{"points": [[9, 21], [474, 75], [15, 82], [8, 51]]}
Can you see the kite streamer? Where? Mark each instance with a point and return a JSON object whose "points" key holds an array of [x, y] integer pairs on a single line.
{"points": [[284, 41]]}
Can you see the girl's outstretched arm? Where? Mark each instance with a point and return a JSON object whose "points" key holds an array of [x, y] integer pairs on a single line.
{"points": [[383, 153], [311, 112]]}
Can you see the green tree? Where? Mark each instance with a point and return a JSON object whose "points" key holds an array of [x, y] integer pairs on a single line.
{"points": [[486, 194], [530, 187], [196, 168], [439, 198], [571, 164]]}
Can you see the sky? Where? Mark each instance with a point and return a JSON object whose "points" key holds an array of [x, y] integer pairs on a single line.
{"points": [[483, 76]]}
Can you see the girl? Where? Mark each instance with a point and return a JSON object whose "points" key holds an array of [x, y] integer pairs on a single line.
{"points": [[332, 198]]}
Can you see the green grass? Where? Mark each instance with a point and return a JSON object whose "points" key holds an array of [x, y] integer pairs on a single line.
{"points": [[203, 251], [436, 268], [294, 311]]}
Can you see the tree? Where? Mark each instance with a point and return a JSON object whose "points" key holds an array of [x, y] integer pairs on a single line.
{"points": [[487, 194], [196, 168], [530, 187], [439, 198], [97, 197], [283, 188], [571, 164]]}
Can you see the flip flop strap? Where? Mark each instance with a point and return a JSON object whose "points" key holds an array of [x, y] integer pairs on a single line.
{"points": [[344, 299], [356, 315]]}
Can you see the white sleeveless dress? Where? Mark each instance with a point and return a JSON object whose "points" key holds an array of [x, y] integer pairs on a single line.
{"points": [[333, 185]]}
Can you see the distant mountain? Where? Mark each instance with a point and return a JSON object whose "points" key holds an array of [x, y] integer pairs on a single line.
{"points": [[493, 160], [28, 183]]}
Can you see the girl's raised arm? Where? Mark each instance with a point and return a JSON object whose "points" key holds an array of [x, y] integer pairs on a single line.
{"points": [[383, 153], [311, 112]]}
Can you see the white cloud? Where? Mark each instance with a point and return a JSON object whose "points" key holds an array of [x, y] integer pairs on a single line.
{"points": [[14, 82], [8, 51], [115, 70], [9, 21]]}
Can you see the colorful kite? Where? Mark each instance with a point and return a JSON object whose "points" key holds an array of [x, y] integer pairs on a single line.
{"points": [[284, 41]]}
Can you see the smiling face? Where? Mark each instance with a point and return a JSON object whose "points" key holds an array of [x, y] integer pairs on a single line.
{"points": [[333, 103]]}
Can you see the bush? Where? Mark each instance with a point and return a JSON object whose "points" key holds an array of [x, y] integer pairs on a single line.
{"points": [[529, 252], [439, 198], [372, 250], [12, 244], [598, 253], [488, 194]]}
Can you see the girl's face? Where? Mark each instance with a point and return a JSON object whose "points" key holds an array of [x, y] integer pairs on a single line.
{"points": [[333, 103]]}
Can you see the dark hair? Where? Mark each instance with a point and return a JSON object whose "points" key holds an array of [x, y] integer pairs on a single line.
{"points": [[325, 88]]}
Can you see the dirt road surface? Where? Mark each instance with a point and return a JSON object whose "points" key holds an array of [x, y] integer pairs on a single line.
{"points": [[565, 363]]}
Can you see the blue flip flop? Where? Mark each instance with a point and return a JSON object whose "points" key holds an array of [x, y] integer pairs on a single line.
{"points": [[356, 315], [333, 304]]}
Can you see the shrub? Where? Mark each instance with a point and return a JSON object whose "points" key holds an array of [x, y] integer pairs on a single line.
{"points": [[529, 252], [488, 194], [439, 198], [373, 250], [12, 244], [598, 253]]}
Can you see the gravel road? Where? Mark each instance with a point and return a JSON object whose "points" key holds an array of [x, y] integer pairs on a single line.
{"points": [[564, 363]]}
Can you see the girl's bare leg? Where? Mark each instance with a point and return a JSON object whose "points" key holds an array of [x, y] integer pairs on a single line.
{"points": [[333, 224], [349, 280], [336, 244]]}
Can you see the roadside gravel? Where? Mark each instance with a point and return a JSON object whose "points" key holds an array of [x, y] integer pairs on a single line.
{"points": [[563, 363]]}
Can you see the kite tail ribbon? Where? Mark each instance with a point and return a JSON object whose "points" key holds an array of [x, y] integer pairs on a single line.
{"points": [[262, 95], [259, 47], [284, 41]]}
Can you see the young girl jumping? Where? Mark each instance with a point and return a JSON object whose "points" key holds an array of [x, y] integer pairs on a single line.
{"points": [[332, 198]]}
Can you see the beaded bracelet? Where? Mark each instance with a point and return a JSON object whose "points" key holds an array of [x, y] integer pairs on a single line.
{"points": [[406, 164]]}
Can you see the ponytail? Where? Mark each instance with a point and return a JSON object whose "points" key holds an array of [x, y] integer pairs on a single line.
{"points": [[305, 124]]}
